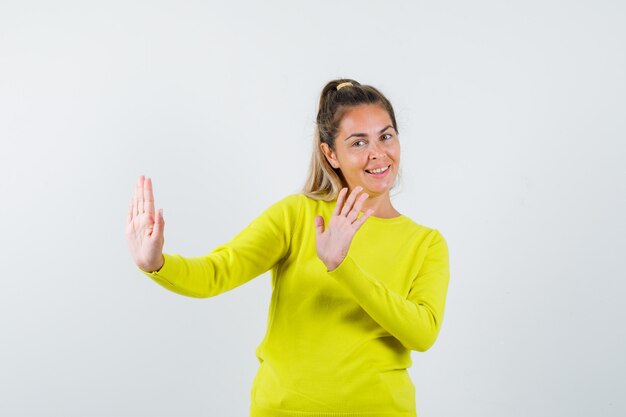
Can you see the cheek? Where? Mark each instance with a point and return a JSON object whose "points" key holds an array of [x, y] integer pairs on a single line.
{"points": [[396, 152], [354, 160]]}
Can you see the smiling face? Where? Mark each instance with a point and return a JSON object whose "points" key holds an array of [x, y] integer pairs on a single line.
{"points": [[366, 144]]}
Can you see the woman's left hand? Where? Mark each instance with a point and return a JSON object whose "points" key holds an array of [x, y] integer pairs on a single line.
{"points": [[334, 242]]}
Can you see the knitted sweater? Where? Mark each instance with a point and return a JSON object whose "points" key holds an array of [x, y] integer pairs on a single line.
{"points": [[337, 343]]}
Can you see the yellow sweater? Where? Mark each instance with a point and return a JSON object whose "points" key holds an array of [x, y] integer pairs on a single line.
{"points": [[337, 343]]}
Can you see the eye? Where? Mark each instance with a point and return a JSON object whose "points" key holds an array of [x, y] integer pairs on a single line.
{"points": [[389, 136], [356, 144]]}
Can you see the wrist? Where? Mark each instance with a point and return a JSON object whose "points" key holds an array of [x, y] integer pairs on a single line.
{"points": [[154, 267], [332, 265]]}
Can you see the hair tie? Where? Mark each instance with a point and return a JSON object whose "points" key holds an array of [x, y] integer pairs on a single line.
{"points": [[340, 86]]}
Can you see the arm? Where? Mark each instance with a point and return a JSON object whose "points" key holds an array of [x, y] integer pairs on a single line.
{"points": [[253, 251], [415, 320]]}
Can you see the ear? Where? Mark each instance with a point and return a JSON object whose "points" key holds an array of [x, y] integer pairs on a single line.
{"points": [[330, 155]]}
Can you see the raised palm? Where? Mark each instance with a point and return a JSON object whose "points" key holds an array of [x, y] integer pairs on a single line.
{"points": [[144, 228], [334, 241]]}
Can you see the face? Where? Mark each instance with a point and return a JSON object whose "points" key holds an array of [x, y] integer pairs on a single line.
{"points": [[366, 141]]}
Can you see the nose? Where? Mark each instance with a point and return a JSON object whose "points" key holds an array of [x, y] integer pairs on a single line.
{"points": [[376, 152]]}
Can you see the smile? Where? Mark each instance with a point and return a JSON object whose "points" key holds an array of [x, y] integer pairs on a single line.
{"points": [[379, 172]]}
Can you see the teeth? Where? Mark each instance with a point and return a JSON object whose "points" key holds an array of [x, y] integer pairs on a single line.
{"points": [[378, 171]]}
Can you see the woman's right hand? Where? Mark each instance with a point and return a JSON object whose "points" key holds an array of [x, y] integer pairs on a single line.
{"points": [[144, 228]]}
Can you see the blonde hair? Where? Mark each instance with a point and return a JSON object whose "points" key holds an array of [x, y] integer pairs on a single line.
{"points": [[324, 182]]}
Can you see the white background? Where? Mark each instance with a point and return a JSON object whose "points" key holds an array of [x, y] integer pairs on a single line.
{"points": [[512, 124]]}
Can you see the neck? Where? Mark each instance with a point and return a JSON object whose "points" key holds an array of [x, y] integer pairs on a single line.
{"points": [[381, 205]]}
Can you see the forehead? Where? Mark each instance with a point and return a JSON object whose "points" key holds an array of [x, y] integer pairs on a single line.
{"points": [[366, 117]]}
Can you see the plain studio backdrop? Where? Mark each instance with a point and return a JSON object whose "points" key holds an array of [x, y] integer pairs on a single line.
{"points": [[512, 126]]}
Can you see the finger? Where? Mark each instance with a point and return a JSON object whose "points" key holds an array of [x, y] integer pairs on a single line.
{"points": [[159, 224], [140, 195], [319, 225], [137, 210], [135, 202], [148, 197], [359, 222], [340, 199], [354, 213], [348, 206], [129, 218]]}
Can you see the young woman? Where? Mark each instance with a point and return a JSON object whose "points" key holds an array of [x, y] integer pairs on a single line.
{"points": [[356, 285]]}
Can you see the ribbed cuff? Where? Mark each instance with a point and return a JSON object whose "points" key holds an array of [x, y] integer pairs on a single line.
{"points": [[358, 282], [256, 411], [168, 271]]}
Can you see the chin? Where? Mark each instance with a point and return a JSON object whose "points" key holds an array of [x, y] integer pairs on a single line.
{"points": [[377, 188], [375, 191]]}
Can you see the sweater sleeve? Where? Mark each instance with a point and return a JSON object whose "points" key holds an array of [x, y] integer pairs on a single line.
{"points": [[415, 320], [252, 252]]}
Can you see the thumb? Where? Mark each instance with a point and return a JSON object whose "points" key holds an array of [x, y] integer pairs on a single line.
{"points": [[158, 224], [319, 225]]}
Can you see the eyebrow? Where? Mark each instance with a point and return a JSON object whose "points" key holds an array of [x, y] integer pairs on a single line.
{"points": [[362, 135]]}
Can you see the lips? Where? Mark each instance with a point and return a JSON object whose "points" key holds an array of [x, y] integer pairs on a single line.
{"points": [[386, 167]]}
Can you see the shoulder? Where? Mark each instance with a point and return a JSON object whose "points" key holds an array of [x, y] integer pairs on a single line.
{"points": [[290, 202], [299, 207], [425, 234], [299, 201], [287, 208], [426, 241]]}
